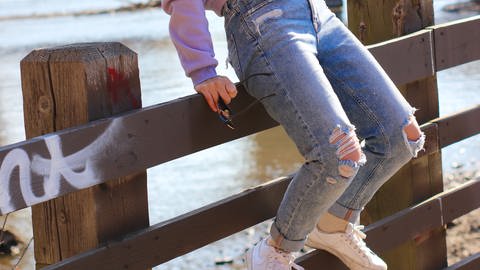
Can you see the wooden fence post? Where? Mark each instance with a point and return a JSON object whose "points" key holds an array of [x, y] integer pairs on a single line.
{"points": [[64, 87], [375, 21]]}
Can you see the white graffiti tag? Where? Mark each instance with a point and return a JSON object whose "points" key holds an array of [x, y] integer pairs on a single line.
{"points": [[77, 169]]}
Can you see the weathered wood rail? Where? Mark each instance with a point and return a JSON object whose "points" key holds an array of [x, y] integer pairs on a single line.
{"points": [[52, 165]]}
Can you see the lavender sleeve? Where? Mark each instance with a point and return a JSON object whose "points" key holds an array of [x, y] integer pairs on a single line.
{"points": [[190, 35]]}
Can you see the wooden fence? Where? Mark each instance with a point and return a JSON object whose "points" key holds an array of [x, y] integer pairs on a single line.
{"points": [[52, 165]]}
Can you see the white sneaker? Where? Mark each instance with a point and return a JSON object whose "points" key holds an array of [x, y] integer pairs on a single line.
{"points": [[265, 257], [347, 246]]}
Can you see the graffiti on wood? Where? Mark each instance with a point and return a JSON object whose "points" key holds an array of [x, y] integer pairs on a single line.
{"points": [[78, 169]]}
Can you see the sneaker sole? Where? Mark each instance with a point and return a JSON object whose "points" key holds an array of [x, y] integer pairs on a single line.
{"points": [[345, 260]]}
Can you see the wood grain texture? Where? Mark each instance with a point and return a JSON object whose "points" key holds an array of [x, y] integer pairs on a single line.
{"points": [[40, 119], [69, 86], [470, 263], [119, 146], [178, 236], [451, 132], [406, 59], [457, 43], [375, 21], [461, 201], [170, 239], [146, 138], [412, 223], [43, 108]]}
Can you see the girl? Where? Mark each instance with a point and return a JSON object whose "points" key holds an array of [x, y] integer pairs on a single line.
{"points": [[326, 90]]}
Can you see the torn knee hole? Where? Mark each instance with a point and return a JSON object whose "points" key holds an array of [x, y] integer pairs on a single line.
{"points": [[412, 130], [349, 151], [348, 146], [415, 139]]}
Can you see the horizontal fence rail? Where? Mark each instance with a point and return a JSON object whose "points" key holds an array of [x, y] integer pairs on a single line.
{"points": [[470, 263], [407, 58], [161, 242], [407, 224], [451, 133], [167, 240], [145, 135], [138, 140], [456, 43]]}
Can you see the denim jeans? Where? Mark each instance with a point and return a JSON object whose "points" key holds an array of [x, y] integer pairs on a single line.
{"points": [[318, 81]]}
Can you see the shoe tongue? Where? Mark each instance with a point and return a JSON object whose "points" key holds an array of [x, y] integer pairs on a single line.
{"points": [[350, 228]]}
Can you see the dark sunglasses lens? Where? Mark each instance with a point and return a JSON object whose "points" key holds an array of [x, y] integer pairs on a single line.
{"points": [[225, 114], [226, 121]]}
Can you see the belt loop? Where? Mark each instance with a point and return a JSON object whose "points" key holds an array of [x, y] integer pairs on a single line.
{"points": [[226, 8], [229, 5]]}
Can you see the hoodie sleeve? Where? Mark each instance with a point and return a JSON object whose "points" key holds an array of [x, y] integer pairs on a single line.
{"points": [[191, 37]]}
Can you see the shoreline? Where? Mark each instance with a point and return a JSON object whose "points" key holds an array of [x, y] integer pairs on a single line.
{"points": [[128, 8], [467, 6]]}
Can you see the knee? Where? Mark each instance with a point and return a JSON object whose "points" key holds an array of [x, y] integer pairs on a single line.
{"points": [[338, 160], [348, 146], [348, 151], [413, 136], [412, 130]]}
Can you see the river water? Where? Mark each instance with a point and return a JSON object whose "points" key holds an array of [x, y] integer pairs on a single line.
{"points": [[184, 184]]}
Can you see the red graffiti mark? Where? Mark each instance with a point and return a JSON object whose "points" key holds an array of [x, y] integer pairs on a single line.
{"points": [[118, 85]]}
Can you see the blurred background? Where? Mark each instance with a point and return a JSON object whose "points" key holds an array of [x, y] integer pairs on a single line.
{"points": [[185, 184]]}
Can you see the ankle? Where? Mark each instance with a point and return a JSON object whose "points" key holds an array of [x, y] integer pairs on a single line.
{"points": [[275, 245], [332, 224], [271, 243]]}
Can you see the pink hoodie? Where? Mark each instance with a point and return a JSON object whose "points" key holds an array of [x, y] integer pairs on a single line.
{"points": [[190, 35]]}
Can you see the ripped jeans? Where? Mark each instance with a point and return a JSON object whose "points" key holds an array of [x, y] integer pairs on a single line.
{"points": [[327, 91]]}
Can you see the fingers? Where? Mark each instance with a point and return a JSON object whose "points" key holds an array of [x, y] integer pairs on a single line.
{"points": [[211, 101], [231, 89], [206, 88], [214, 88], [224, 95]]}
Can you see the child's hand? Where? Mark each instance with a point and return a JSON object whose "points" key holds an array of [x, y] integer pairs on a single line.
{"points": [[214, 88]]}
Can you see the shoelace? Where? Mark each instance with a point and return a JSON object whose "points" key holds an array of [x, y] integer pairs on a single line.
{"points": [[356, 237], [283, 258]]}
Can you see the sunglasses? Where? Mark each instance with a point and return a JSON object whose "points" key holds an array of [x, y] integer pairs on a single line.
{"points": [[225, 114]]}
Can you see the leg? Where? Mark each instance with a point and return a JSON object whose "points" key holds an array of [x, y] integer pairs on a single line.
{"points": [[383, 119], [382, 116], [278, 60]]}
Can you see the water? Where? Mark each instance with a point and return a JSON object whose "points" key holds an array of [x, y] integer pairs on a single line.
{"points": [[185, 184]]}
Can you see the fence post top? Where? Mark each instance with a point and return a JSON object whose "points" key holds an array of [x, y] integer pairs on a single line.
{"points": [[78, 51]]}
